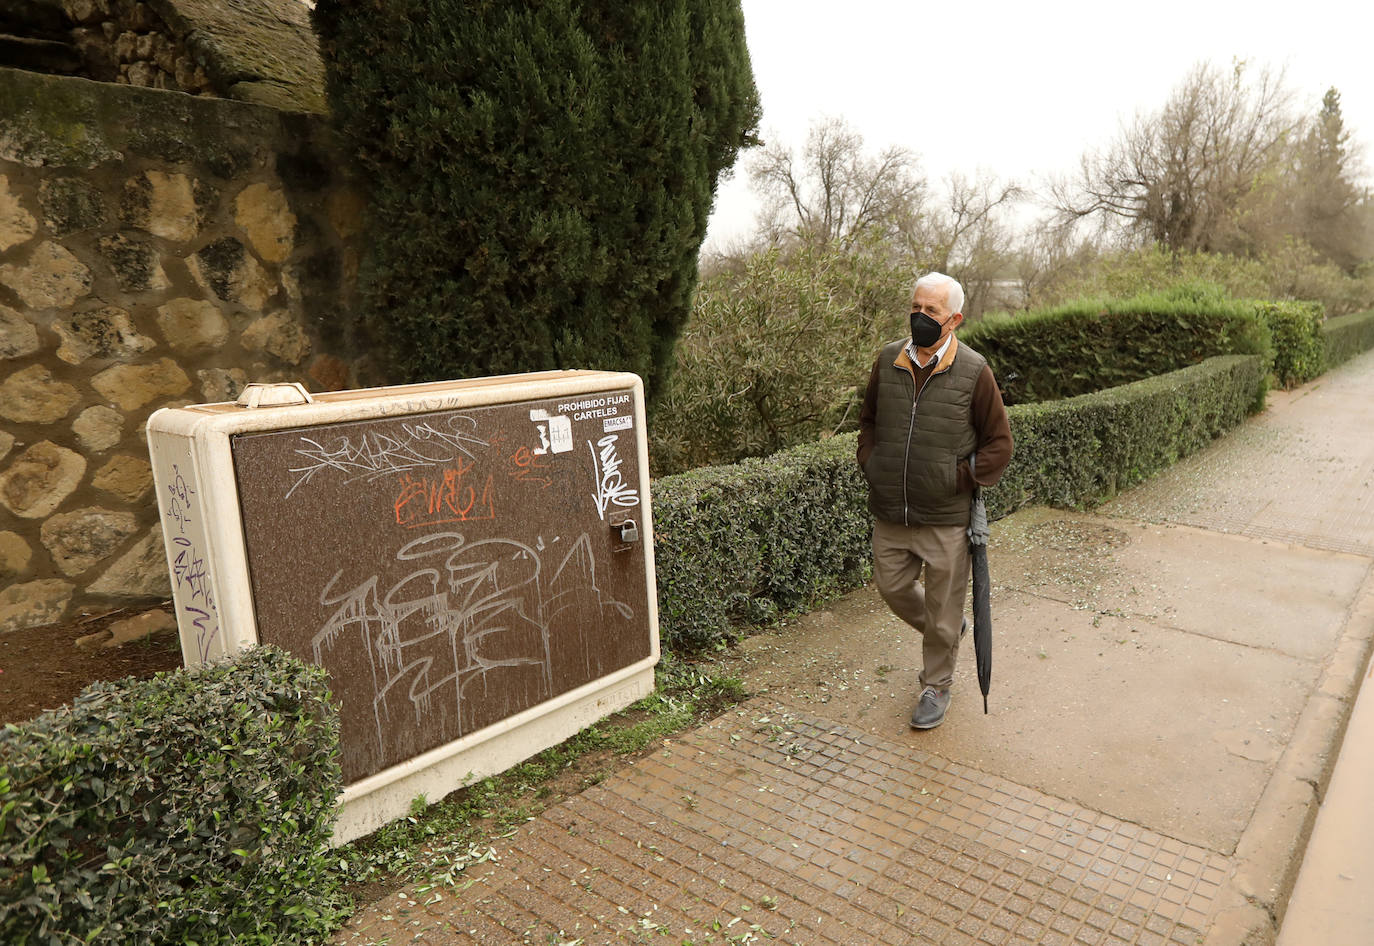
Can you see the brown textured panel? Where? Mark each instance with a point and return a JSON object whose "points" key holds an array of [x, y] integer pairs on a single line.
{"points": [[449, 569]]}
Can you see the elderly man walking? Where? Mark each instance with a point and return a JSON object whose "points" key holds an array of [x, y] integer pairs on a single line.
{"points": [[933, 425]]}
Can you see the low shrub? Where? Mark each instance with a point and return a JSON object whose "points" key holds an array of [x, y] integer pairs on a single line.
{"points": [[747, 542], [1299, 354], [193, 807], [1347, 336]]}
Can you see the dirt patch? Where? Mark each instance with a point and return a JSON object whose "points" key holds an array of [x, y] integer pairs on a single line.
{"points": [[1069, 535], [42, 668]]}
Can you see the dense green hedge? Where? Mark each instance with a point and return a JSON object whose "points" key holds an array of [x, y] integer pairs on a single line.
{"points": [[1083, 450], [1096, 344], [1299, 354], [738, 544], [742, 543], [1347, 336], [194, 807]]}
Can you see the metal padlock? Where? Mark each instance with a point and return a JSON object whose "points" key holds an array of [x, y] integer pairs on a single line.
{"points": [[629, 532]]}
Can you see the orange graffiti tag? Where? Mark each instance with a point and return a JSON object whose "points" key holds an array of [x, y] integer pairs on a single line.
{"points": [[425, 500], [526, 462]]}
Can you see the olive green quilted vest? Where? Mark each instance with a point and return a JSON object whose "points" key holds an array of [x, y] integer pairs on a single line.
{"points": [[912, 471]]}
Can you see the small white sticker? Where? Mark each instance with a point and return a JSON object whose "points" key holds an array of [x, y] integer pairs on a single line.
{"points": [[617, 423], [555, 433], [560, 432]]}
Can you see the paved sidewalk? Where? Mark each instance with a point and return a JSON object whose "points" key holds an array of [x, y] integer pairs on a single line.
{"points": [[783, 825], [1172, 678]]}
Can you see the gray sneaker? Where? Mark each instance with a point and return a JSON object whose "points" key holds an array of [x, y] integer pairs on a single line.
{"points": [[930, 711]]}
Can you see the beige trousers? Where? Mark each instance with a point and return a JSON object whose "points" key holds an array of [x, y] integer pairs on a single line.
{"points": [[937, 610]]}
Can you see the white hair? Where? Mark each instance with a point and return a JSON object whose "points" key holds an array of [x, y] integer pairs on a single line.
{"points": [[955, 300]]}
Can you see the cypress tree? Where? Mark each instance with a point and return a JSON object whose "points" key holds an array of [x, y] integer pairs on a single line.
{"points": [[540, 173]]}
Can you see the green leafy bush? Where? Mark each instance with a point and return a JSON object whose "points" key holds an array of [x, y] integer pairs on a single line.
{"points": [[540, 175], [776, 353], [1299, 353], [744, 543], [1290, 270], [1091, 273], [194, 807], [1347, 336]]}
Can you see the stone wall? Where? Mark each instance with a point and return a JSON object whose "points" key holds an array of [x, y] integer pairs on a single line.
{"points": [[261, 51], [155, 249]]}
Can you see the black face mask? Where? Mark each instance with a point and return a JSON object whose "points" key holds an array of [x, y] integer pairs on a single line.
{"points": [[925, 331]]}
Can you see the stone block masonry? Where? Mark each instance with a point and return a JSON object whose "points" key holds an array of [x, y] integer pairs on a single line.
{"points": [[156, 249], [261, 51]]}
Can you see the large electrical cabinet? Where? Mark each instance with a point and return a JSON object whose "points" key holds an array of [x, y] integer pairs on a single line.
{"points": [[472, 562]]}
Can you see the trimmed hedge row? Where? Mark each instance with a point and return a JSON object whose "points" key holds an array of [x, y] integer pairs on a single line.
{"points": [[1097, 344], [1296, 328], [1347, 336], [193, 807], [1083, 450], [743, 543]]}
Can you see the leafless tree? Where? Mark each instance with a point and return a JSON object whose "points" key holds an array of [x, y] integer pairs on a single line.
{"points": [[1185, 176], [834, 193], [970, 238], [1048, 256]]}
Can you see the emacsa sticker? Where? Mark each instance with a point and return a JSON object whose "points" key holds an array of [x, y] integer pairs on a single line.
{"points": [[617, 423]]}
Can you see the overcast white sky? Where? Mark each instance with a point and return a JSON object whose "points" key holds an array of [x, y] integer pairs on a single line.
{"points": [[1022, 89]]}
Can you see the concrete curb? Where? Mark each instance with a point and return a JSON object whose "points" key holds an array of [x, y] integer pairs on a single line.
{"points": [[1270, 851]]}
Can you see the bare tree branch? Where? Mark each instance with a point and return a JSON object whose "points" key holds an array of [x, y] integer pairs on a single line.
{"points": [[1185, 175]]}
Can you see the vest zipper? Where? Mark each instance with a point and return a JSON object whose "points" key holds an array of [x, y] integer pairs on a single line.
{"points": [[911, 429], [906, 457]]}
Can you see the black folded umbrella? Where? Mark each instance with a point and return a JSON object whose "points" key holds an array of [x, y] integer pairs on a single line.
{"points": [[982, 607]]}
